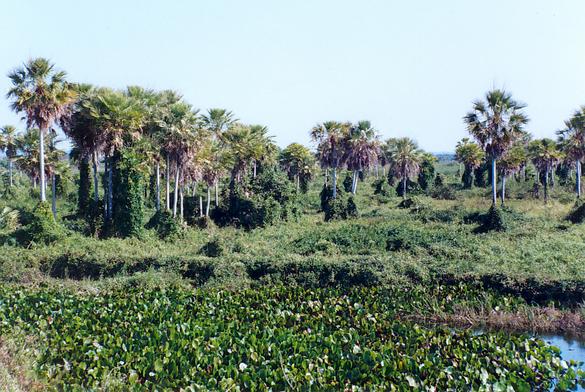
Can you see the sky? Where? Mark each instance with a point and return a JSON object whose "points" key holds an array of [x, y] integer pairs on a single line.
{"points": [[413, 68]]}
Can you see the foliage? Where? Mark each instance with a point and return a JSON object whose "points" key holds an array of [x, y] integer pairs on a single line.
{"points": [[128, 211], [273, 338], [263, 201], [577, 213], [8, 218], [338, 208], [42, 228], [493, 220], [426, 174], [213, 248], [84, 188], [164, 224]]}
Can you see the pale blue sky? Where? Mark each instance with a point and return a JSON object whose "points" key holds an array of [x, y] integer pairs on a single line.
{"points": [[411, 67]]}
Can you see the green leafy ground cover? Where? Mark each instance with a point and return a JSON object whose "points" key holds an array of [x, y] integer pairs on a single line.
{"points": [[273, 338]]}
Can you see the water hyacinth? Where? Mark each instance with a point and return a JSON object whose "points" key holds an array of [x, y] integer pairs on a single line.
{"points": [[266, 339]]}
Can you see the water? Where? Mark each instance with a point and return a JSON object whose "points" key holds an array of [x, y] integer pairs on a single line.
{"points": [[570, 349]]}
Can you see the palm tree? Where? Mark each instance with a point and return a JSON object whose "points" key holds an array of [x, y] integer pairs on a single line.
{"points": [[471, 156], [9, 144], [44, 96], [331, 139], [82, 126], [218, 121], [496, 124], [119, 119], [572, 141], [180, 143], [514, 159], [405, 158], [297, 161], [544, 154], [245, 145], [362, 151]]}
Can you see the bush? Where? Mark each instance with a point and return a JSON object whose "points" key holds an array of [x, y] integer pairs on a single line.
{"points": [[340, 207], [577, 214], [412, 188], [42, 229], [443, 192], [381, 188], [492, 221], [164, 224], [413, 203], [213, 248], [348, 182], [128, 209], [263, 201]]}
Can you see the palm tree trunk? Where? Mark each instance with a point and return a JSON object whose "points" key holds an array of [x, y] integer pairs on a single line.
{"points": [[578, 178], [404, 180], [181, 202], [503, 188], [54, 196], [208, 200], [383, 170], [354, 183], [334, 175], [96, 192], [201, 206], [494, 176], [110, 188], [552, 179], [546, 185], [216, 194], [326, 176], [168, 181], [176, 195], [157, 185], [42, 164], [10, 171], [254, 168]]}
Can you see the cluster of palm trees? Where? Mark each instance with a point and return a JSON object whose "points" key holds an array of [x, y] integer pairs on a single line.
{"points": [[498, 123], [170, 135], [357, 147]]}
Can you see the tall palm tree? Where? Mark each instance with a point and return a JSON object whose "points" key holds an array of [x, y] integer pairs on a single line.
{"points": [[119, 119], [496, 124], [297, 161], [545, 155], [405, 158], [245, 145], [331, 139], [9, 145], [180, 143], [471, 156], [43, 95], [362, 149], [218, 121], [83, 127], [512, 162], [572, 141]]}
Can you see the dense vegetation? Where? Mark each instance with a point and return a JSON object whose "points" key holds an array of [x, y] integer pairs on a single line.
{"points": [[168, 229]]}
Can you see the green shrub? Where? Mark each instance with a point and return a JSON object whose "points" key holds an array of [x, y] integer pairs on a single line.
{"points": [[42, 229], [213, 248], [492, 221], [577, 213], [263, 201], [338, 208], [9, 218], [128, 209], [164, 224], [381, 188], [348, 182], [443, 192], [412, 188], [84, 188]]}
